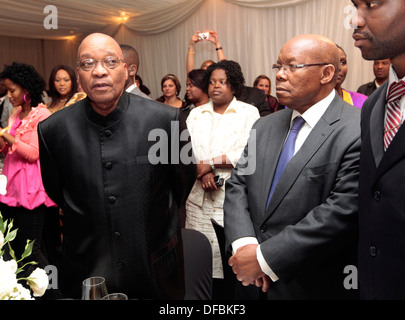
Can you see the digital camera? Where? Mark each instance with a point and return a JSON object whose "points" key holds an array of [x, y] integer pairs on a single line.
{"points": [[204, 35]]}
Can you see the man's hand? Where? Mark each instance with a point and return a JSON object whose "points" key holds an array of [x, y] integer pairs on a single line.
{"points": [[264, 283], [247, 269]]}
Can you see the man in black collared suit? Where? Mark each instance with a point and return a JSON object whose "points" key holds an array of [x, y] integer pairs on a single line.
{"points": [[119, 188], [382, 172]]}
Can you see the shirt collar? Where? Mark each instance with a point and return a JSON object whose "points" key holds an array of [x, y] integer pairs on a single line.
{"points": [[314, 113], [131, 87], [232, 108], [393, 77], [111, 118]]}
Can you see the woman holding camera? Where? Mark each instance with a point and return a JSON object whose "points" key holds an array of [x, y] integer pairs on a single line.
{"points": [[219, 131]]}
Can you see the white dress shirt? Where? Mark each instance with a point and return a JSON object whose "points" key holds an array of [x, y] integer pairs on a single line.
{"points": [[311, 117]]}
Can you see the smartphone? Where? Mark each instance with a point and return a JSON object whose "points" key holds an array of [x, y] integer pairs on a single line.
{"points": [[219, 182], [204, 35]]}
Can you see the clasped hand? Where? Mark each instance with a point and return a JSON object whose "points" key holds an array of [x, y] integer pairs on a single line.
{"points": [[247, 269], [205, 175]]}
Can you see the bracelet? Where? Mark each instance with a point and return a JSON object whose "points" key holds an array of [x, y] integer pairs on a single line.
{"points": [[219, 48], [212, 164], [3, 131]]}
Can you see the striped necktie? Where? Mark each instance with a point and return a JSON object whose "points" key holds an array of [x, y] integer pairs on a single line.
{"points": [[393, 116]]}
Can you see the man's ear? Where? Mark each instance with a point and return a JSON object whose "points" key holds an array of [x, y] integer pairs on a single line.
{"points": [[132, 69], [328, 73]]}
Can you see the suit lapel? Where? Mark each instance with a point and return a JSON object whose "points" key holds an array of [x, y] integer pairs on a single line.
{"points": [[395, 152], [277, 134], [377, 126], [312, 144]]}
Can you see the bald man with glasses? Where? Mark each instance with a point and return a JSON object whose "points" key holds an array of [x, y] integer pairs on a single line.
{"points": [[290, 226], [120, 205]]}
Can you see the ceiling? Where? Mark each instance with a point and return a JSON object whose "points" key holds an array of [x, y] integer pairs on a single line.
{"points": [[66, 18]]}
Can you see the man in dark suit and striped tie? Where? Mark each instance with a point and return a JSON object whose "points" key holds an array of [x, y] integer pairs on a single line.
{"points": [[382, 160]]}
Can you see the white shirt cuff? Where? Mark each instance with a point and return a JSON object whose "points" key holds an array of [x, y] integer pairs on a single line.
{"points": [[243, 242], [264, 266], [262, 262]]}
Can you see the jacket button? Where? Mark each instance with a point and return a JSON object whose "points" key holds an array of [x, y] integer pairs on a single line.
{"points": [[377, 195], [108, 165], [107, 133], [112, 199], [373, 251], [120, 265], [116, 235], [263, 228]]}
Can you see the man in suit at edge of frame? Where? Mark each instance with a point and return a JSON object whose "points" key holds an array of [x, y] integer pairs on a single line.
{"points": [[379, 32]]}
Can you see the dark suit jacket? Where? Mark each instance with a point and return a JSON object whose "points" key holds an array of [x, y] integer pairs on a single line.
{"points": [[120, 207], [255, 97], [382, 205], [307, 234], [367, 89]]}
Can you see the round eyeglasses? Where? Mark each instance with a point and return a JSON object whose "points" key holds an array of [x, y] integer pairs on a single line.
{"points": [[90, 64]]}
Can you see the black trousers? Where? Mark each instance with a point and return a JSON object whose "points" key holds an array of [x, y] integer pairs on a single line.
{"points": [[31, 224]]}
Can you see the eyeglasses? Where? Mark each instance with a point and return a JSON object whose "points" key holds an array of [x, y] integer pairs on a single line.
{"points": [[90, 64], [289, 68]]}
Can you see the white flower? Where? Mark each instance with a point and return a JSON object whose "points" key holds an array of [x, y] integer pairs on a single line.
{"points": [[20, 293], [3, 184], [38, 281], [8, 279]]}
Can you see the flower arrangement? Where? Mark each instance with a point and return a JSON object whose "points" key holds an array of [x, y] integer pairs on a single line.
{"points": [[10, 286]]}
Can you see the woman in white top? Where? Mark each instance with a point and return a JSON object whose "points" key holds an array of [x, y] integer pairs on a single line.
{"points": [[219, 132]]}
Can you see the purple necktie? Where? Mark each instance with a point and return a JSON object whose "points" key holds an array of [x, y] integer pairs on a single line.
{"points": [[286, 154]]}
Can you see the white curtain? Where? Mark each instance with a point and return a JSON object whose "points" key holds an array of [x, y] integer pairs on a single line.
{"points": [[251, 36], [266, 3], [251, 33]]}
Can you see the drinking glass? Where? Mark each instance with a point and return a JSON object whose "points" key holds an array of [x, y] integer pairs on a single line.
{"points": [[115, 296], [94, 288]]}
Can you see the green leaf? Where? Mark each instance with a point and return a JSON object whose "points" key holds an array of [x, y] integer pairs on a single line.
{"points": [[11, 235], [11, 252], [28, 249], [22, 268], [2, 227]]}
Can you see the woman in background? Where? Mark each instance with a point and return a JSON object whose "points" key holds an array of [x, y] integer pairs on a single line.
{"points": [[62, 87], [196, 94], [351, 97], [263, 82], [219, 131], [171, 87]]}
